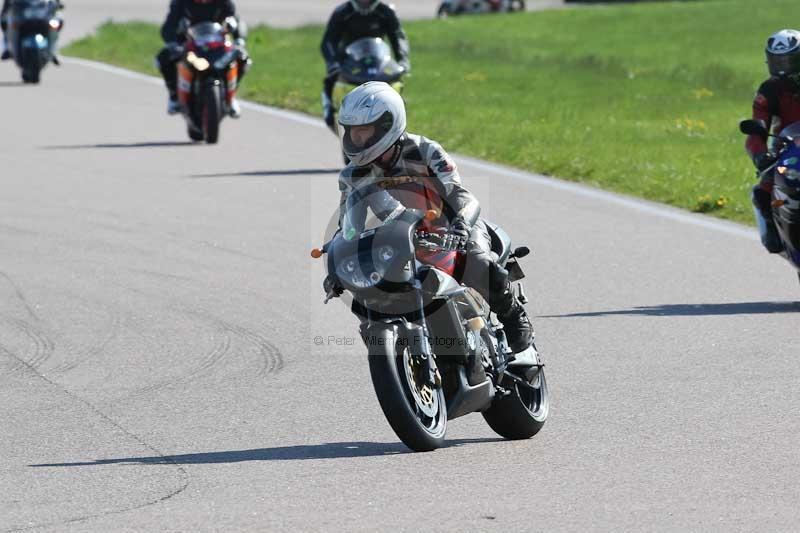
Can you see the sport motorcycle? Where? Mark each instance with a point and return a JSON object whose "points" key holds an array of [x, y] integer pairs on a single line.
{"points": [[435, 350]]}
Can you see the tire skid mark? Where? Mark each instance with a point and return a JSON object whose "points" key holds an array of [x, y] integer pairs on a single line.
{"points": [[113, 333], [218, 352], [20, 295], [43, 347], [271, 356], [183, 475]]}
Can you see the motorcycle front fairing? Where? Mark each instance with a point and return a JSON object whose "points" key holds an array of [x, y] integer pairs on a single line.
{"points": [[786, 193]]}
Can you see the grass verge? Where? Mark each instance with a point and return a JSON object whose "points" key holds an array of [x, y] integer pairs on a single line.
{"points": [[642, 99]]}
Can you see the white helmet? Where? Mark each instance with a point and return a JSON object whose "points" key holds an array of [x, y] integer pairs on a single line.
{"points": [[365, 8], [374, 104], [783, 53]]}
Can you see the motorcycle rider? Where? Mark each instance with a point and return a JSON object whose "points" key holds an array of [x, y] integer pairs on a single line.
{"points": [[777, 105], [183, 14], [4, 25], [349, 22], [6, 54], [373, 132]]}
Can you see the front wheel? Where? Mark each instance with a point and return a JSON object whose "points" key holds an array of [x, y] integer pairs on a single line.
{"points": [[212, 113], [416, 412], [521, 414], [31, 70]]}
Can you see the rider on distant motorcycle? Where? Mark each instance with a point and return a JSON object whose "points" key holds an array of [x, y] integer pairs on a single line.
{"points": [[373, 131], [355, 20], [6, 54], [4, 26], [777, 105], [183, 14]]}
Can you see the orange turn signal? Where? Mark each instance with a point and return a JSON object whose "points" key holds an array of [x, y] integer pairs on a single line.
{"points": [[432, 214], [778, 203], [316, 253]]}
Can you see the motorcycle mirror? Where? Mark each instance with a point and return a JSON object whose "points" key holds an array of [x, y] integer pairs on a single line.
{"points": [[521, 252], [753, 127]]}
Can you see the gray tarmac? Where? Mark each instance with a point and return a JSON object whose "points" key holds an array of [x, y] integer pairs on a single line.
{"points": [[166, 363]]}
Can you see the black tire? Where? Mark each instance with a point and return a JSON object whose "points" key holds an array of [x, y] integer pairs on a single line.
{"points": [[212, 113], [521, 414], [31, 70], [195, 134], [387, 367]]}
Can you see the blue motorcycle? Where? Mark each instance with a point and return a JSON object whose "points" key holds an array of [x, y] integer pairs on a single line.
{"points": [[33, 28], [786, 192]]}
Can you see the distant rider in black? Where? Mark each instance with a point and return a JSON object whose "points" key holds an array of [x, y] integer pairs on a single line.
{"points": [[349, 22], [183, 14], [4, 25]]}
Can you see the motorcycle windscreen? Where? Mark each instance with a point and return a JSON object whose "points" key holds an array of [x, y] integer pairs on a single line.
{"points": [[368, 48], [368, 207], [370, 59], [792, 130], [23, 10], [206, 34]]}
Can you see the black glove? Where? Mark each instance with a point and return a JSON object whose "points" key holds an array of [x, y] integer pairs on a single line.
{"points": [[334, 68], [331, 287], [174, 51], [460, 228], [458, 234], [764, 161]]}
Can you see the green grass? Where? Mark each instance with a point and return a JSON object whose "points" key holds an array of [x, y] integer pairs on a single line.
{"points": [[641, 99]]}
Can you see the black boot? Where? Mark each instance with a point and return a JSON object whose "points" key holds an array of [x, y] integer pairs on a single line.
{"points": [[517, 325], [762, 201]]}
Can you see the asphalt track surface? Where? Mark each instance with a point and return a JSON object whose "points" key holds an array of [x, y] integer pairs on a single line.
{"points": [[159, 368]]}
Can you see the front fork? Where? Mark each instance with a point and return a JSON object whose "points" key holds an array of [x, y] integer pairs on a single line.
{"points": [[414, 335], [421, 348]]}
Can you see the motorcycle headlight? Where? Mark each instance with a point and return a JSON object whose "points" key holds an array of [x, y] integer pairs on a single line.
{"points": [[386, 254], [200, 64], [350, 272]]}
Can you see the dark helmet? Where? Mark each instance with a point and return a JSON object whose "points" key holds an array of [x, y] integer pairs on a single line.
{"points": [[783, 54], [365, 7]]}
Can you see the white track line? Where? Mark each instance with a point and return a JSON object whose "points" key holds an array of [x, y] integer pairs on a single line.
{"points": [[641, 206]]}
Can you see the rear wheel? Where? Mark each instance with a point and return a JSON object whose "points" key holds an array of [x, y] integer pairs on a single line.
{"points": [[416, 411], [521, 414], [212, 113]]}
